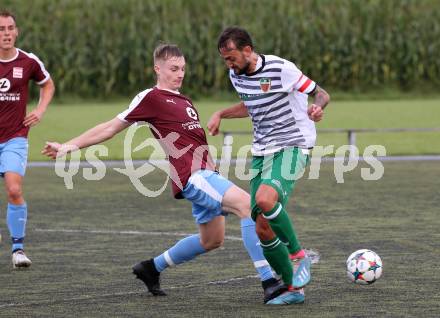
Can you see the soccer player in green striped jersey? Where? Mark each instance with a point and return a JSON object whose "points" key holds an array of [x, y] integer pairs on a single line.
{"points": [[274, 93]]}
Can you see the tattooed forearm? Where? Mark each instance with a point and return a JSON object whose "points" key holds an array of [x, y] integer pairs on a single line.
{"points": [[321, 97]]}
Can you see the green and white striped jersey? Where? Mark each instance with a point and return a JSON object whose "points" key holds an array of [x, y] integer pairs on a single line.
{"points": [[275, 96]]}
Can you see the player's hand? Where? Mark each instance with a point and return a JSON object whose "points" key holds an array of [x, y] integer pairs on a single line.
{"points": [[214, 124], [33, 118], [315, 112], [54, 149]]}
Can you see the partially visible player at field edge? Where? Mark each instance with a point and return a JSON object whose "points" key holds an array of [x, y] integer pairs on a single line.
{"points": [[175, 123], [274, 93], [17, 68]]}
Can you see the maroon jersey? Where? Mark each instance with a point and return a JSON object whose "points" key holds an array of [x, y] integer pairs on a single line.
{"points": [[14, 78], [175, 123]]}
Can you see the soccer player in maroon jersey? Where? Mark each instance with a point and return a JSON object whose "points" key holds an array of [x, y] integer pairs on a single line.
{"points": [[17, 68], [175, 123]]}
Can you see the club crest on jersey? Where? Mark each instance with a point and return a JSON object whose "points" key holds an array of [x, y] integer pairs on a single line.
{"points": [[17, 72], [5, 85], [265, 84], [191, 113]]}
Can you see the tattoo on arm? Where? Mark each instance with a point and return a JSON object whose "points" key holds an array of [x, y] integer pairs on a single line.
{"points": [[321, 97]]}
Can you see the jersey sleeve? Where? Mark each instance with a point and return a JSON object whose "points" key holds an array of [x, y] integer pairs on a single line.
{"points": [[39, 73], [293, 79], [140, 109]]}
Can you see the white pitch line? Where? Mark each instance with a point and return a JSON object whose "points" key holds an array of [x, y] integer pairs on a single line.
{"points": [[91, 297], [228, 237], [313, 254]]}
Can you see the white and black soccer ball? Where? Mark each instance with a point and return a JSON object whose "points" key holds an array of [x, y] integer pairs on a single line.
{"points": [[364, 267]]}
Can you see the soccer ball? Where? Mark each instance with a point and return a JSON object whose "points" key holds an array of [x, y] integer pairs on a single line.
{"points": [[364, 267]]}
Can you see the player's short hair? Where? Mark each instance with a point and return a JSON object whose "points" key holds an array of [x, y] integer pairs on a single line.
{"points": [[6, 14], [239, 36], [165, 51]]}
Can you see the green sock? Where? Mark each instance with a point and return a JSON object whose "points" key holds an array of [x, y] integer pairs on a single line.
{"points": [[282, 226], [278, 257]]}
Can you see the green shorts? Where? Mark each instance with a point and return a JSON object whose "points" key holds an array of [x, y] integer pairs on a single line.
{"points": [[280, 171]]}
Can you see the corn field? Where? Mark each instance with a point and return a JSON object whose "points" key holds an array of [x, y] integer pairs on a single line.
{"points": [[103, 48]]}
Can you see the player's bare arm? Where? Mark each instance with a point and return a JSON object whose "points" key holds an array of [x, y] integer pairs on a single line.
{"points": [[46, 93], [237, 111], [93, 136], [320, 101]]}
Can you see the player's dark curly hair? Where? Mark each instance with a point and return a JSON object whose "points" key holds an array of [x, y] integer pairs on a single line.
{"points": [[239, 36], [164, 51]]}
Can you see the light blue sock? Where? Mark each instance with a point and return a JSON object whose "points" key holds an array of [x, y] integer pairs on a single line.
{"points": [[252, 245], [16, 219], [184, 251]]}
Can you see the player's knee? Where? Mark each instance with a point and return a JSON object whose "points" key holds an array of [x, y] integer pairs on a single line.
{"points": [[263, 229], [265, 201], [213, 243], [14, 193]]}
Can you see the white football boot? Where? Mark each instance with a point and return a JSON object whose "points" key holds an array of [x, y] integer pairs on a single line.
{"points": [[20, 260]]}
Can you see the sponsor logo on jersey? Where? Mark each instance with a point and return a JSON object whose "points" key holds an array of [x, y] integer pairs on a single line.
{"points": [[9, 97], [245, 97], [5, 85], [171, 101], [17, 72], [191, 125], [265, 84]]}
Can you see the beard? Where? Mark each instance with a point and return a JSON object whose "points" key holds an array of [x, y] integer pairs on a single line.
{"points": [[243, 70]]}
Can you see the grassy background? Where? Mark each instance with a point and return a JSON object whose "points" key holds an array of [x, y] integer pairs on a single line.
{"points": [[65, 121], [343, 44], [89, 274]]}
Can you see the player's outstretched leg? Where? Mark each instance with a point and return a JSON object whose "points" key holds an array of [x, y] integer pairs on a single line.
{"points": [[237, 201], [184, 250], [146, 272]]}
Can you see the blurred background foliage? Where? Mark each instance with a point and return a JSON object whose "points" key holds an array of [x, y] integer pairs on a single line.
{"points": [[103, 48]]}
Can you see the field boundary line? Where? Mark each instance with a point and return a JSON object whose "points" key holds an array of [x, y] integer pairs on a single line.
{"points": [[313, 254], [146, 233]]}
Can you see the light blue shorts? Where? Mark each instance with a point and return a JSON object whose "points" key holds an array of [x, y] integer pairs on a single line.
{"points": [[13, 156], [205, 189]]}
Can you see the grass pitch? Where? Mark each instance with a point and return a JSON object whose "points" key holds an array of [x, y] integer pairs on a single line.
{"points": [[84, 241]]}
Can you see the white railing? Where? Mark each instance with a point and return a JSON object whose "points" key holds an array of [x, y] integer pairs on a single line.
{"points": [[351, 132]]}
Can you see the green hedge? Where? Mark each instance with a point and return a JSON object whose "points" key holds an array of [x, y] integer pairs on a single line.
{"points": [[104, 47]]}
